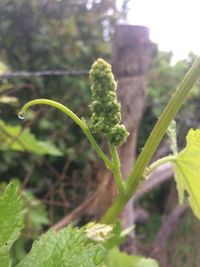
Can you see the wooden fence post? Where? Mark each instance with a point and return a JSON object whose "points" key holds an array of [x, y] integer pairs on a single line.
{"points": [[132, 55]]}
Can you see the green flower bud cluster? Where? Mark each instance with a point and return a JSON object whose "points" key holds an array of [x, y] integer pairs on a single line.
{"points": [[106, 111]]}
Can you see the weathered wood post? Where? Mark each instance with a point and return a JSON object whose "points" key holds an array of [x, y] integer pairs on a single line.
{"points": [[131, 59]]}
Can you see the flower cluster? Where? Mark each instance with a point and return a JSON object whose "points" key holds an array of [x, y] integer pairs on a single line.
{"points": [[106, 113]]}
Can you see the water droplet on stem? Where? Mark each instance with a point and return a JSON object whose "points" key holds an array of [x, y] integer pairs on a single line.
{"points": [[22, 115]]}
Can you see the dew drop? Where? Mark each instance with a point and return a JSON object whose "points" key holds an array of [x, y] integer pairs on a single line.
{"points": [[22, 115]]}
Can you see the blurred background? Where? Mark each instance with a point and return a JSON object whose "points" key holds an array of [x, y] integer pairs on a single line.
{"points": [[46, 51]]}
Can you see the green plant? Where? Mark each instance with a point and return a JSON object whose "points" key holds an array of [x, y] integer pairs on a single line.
{"points": [[89, 245]]}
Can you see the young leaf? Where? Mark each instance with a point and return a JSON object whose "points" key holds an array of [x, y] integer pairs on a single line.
{"points": [[66, 248], [11, 221], [116, 258], [117, 237], [98, 232], [187, 171]]}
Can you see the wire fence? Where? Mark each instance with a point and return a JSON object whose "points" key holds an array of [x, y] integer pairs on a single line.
{"points": [[10, 74]]}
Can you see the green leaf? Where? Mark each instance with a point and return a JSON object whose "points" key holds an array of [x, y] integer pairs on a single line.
{"points": [[49, 148], [14, 138], [11, 220], [66, 248], [116, 258], [187, 171], [4, 258]]}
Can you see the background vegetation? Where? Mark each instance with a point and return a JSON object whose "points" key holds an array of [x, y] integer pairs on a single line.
{"points": [[56, 165]]}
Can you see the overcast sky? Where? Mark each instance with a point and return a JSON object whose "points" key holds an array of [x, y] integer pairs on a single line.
{"points": [[174, 24]]}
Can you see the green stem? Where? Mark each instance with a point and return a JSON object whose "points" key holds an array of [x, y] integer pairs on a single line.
{"points": [[159, 162], [122, 200], [154, 139], [116, 169], [82, 123], [118, 205], [96, 147]]}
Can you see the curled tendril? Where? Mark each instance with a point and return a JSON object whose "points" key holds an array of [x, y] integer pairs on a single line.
{"points": [[106, 110], [81, 122]]}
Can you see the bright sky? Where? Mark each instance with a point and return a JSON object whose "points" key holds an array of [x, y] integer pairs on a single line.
{"points": [[174, 24]]}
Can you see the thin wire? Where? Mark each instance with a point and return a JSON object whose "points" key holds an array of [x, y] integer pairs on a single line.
{"points": [[10, 74]]}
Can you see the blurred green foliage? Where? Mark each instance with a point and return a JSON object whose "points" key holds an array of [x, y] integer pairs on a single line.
{"points": [[38, 35], [163, 79], [14, 138], [183, 248], [120, 259], [35, 218]]}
